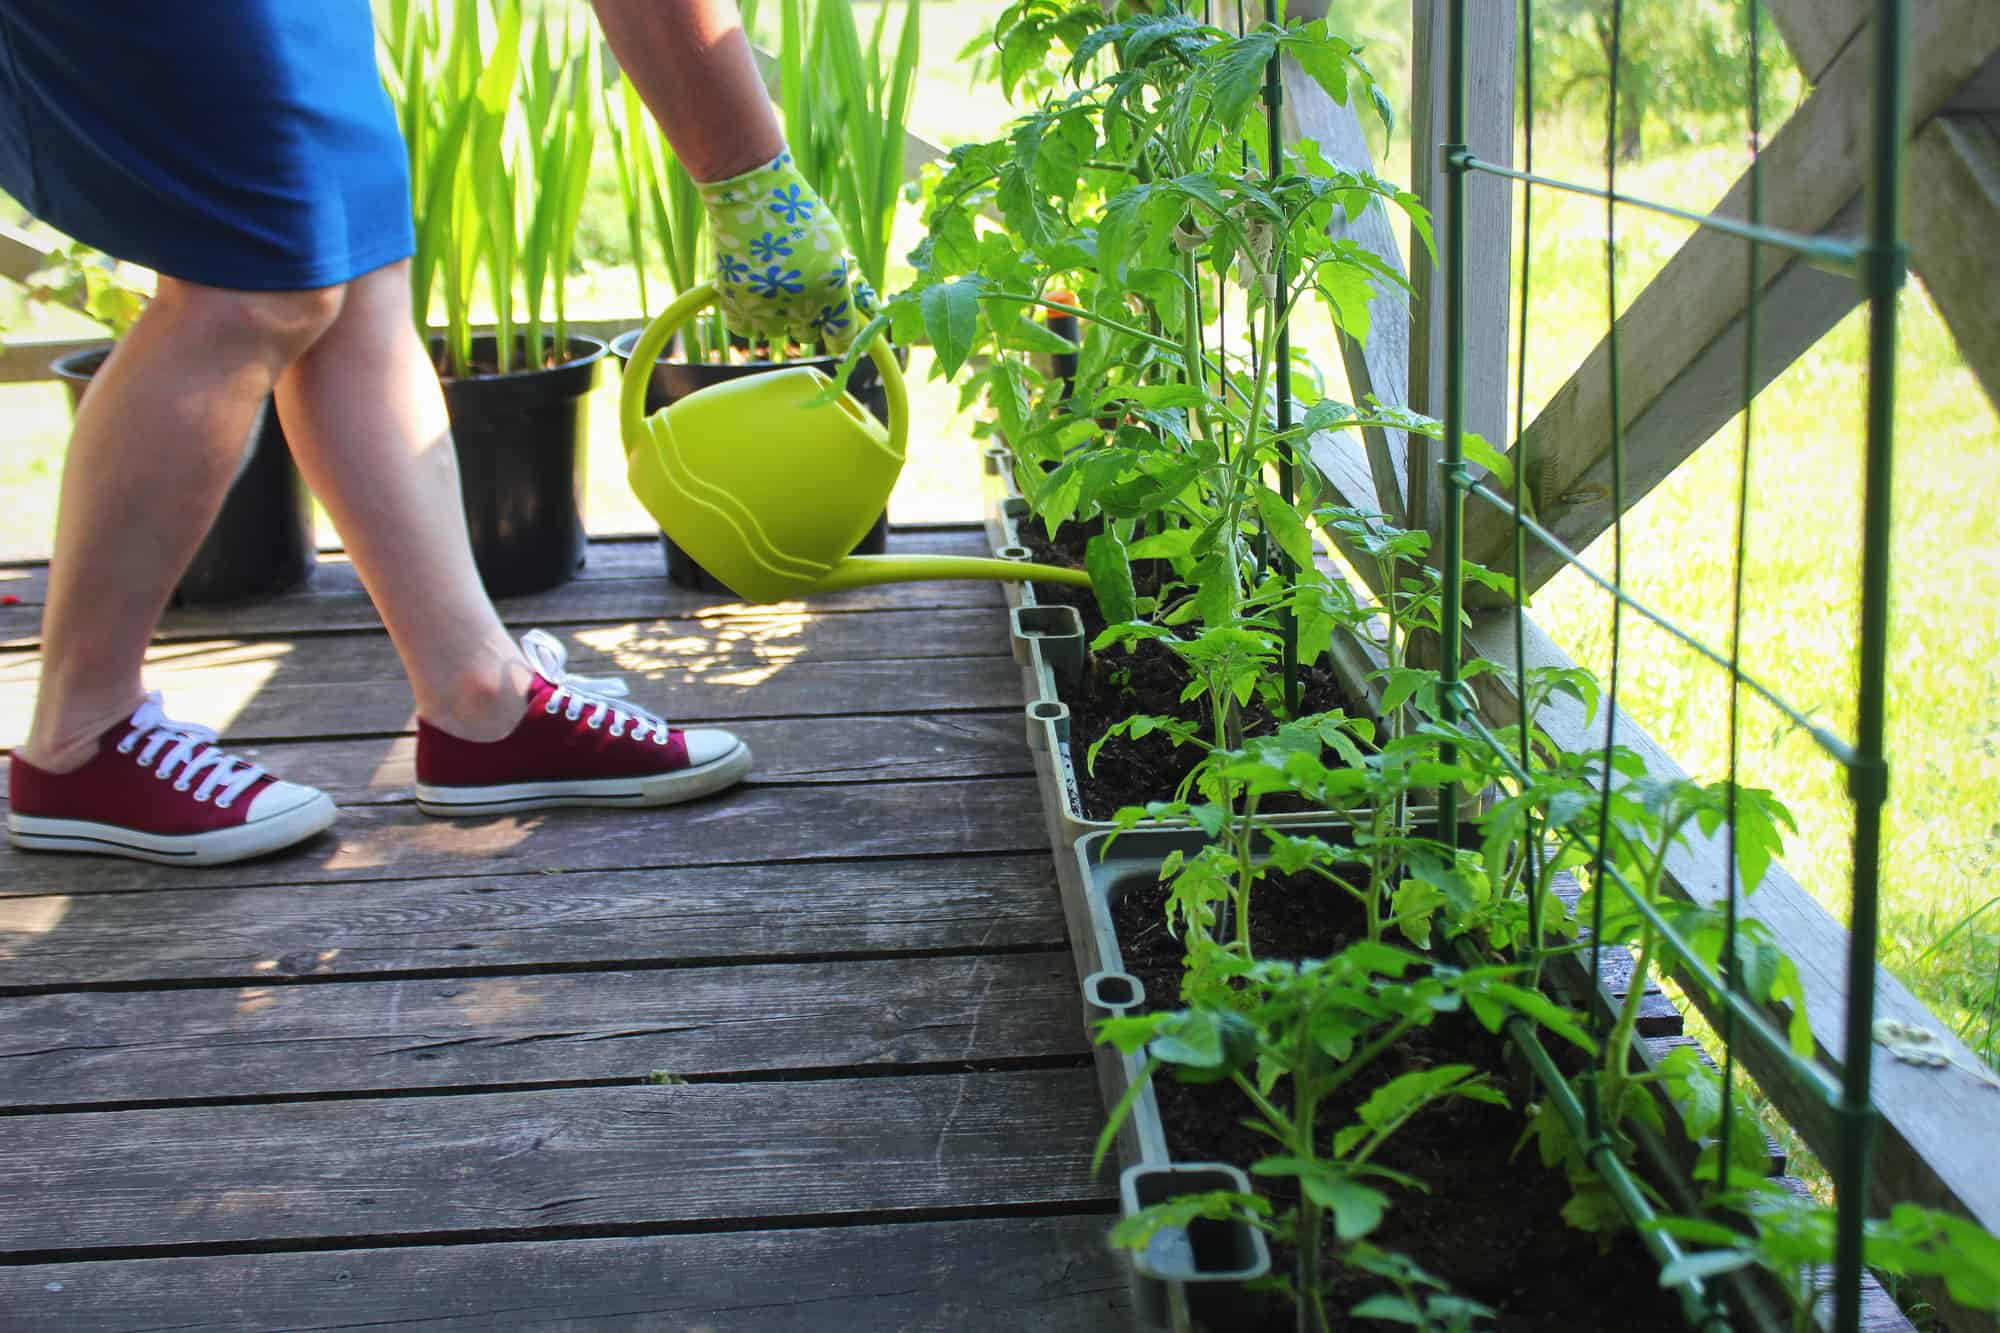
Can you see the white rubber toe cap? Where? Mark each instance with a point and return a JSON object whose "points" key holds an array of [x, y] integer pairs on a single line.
{"points": [[281, 798], [706, 745]]}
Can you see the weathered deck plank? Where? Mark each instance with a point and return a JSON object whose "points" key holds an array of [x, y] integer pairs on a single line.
{"points": [[746, 826], [1044, 1274], [321, 1086], [656, 649], [611, 918], [293, 700], [633, 586], [569, 1028], [528, 1164], [381, 770]]}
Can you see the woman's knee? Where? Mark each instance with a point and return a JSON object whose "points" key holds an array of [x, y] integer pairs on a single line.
{"points": [[283, 323]]}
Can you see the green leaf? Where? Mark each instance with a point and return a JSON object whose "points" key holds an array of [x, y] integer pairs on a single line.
{"points": [[1546, 1012], [1192, 1038], [1009, 396], [1357, 1209], [1707, 1264], [1395, 1309], [1592, 1208], [1110, 569], [1325, 60], [1282, 521], [1404, 682], [1202, 187], [1239, 77], [951, 321], [1479, 451], [1156, 396], [1383, 108], [1117, 233], [1171, 544]]}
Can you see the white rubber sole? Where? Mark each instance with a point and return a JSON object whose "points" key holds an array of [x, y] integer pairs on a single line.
{"points": [[683, 784], [269, 834]]}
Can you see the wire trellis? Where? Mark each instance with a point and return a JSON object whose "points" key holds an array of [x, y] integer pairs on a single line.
{"points": [[1879, 263]]}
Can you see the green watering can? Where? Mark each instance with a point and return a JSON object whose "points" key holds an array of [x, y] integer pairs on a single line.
{"points": [[769, 495]]}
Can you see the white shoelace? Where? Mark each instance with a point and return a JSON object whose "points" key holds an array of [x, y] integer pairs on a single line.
{"points": [[172, 746], [596, 693]]}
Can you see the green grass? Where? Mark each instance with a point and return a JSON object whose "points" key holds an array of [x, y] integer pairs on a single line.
{"points": [[1941, 858]]}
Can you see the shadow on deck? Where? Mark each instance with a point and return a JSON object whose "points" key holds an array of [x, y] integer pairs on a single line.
{"points": [[802, 1056]]}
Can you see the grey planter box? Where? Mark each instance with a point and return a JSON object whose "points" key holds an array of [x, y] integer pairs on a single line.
{"points": [[1180, 1281]]}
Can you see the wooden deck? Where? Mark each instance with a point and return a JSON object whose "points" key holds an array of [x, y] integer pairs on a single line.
{"points": [[804, 1056]]}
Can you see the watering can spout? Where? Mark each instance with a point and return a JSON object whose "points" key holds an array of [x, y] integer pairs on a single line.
{"points": [[770, 481], [860, 571]]}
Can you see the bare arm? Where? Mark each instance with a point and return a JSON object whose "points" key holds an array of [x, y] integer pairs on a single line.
{"points": [[691, 63]]}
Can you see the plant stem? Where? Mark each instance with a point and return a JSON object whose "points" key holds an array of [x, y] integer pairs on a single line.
{"points": [[1618, 1047], [1280, 1122], [1310, 1214], [1130, 331]]}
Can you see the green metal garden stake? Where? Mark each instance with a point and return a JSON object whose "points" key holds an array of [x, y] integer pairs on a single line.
{"points": [[1288, 625], [1885, 263]]}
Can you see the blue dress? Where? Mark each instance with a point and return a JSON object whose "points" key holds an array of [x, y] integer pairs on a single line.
{"points": [[246, 144]]}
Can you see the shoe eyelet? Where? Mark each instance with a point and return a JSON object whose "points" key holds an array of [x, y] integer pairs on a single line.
{"points": [[128, 745], [552, 707], [183, 786], [145, 762], [223, 804]]}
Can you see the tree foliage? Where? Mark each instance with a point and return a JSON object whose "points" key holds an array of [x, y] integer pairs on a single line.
{"points": [[1683, 68]]}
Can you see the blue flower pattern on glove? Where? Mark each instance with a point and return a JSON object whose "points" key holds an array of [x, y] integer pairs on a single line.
{"points": [[833, 319], [775, 280], [781, 265], [768, 248], [791, 204]]}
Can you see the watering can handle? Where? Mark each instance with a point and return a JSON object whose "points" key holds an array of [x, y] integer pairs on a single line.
{"points": [[632, 394]]}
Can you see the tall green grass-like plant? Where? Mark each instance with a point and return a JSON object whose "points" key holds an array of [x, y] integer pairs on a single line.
{"points": [[554, 161], [500, 133], [432, 64], [846, 108], [660, 198]]}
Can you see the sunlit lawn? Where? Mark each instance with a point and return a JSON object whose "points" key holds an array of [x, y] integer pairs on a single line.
{"points": [[1941, 859]]}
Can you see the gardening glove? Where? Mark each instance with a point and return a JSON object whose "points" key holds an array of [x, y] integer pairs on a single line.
{"points": [[781, 260]]}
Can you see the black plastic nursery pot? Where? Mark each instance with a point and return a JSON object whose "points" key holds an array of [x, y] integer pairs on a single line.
{"points": [[522, 443], [674, 379], [261, 542]]}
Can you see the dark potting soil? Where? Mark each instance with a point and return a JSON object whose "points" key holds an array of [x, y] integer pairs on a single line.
{"points": [[1490, 1225], [1119, 683]]}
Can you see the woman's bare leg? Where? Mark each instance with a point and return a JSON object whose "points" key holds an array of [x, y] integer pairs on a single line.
{"points": [[157, 441], [366, 422]]}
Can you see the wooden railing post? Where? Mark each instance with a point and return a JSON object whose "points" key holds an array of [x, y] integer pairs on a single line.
{"points": [[1489, 255]]}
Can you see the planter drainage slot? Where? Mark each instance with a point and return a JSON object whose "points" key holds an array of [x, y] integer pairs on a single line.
{"points": [[1014, 509], [1209, 1260], [1113, 992], [1048, 711], [1056, 630]]}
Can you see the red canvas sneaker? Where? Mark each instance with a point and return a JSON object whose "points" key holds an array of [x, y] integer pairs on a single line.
{"points": [[160, 790], [578, 745]]}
